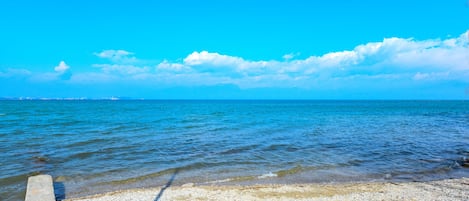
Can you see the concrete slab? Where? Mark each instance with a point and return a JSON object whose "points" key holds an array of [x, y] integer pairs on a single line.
{"points": [[40, 188]]}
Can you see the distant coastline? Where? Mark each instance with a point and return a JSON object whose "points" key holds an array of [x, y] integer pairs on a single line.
{"points": [[68, 99]]}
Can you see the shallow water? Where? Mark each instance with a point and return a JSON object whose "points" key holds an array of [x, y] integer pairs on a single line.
{"points": [[97, 146]]}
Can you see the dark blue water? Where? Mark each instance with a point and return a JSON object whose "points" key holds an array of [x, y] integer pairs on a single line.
{"points": [[97, 146]]}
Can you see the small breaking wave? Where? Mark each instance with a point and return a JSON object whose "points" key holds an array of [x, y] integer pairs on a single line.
{"points": [[219, 181], [242, 178], [268, 175]]}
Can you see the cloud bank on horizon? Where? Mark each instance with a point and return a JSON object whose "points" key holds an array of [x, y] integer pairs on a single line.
{"points": [[402, 66]]}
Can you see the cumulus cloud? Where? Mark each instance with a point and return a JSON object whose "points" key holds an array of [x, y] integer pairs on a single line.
{"points": [[212, 59], [394, 63], [392, 59], [401, 63], [62, 67]]}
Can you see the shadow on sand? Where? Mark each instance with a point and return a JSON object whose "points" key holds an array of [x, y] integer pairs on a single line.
{"points": [[167, 185], [59, 190]]}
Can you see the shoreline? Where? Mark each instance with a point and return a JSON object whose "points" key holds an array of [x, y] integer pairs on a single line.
{"points": [[448, 189]]}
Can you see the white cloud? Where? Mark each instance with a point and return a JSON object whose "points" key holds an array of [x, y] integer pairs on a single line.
{"points": [[431, 76], [337, 59], [212, 59], [392, 59], [61, 73], [109, 54], [172, 67], [62, 67], [421, 76], [290, 56], [122, 64], [117, 56], [225, 65], [122, 69]]}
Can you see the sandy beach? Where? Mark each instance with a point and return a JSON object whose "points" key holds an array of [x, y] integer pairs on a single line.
{"points": [[451, 189]]}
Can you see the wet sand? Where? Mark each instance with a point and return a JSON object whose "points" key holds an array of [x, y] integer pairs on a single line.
{"points": [[451, 189]]}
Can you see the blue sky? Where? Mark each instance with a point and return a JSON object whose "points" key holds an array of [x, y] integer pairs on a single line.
{"points": [[243, 49]]}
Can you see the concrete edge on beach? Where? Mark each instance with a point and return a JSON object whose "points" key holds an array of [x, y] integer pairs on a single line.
{"points": [[40, 188]]}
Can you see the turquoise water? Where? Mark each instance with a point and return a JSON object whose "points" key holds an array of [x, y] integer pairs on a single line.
{"points": [[97, 146]]}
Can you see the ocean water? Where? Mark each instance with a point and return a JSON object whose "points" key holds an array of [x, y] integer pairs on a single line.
{"points": [[97, 146]]}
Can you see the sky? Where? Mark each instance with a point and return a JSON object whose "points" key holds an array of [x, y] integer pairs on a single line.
{"points": [[235, 49]]}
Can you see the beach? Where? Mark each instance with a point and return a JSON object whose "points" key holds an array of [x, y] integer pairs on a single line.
{"points": [[450, 189], [234, 100]]}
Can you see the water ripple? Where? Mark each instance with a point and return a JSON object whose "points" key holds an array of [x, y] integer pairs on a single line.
{"points": [[95, 146]]}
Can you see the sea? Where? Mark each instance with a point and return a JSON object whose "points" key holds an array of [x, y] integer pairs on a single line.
{"points": [[96, 146]]}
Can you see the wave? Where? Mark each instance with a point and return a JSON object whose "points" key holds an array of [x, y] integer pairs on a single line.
{"points": [[268, 175], [140, 178], [169, 171], [16, 179], [233, 179], [86, 142], [238, 149], [243, 178]]}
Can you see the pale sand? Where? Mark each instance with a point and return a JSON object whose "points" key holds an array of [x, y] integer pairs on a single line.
{"points": [[451, 189]]}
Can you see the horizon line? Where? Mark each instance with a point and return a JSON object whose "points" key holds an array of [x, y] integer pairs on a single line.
{"points": [[217, 99]]}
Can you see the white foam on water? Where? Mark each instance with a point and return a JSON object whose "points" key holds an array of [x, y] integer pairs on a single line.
{"points": [[268, 175], [219, 181]]}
